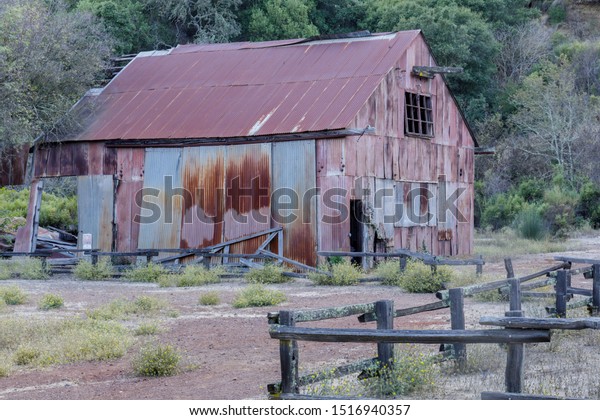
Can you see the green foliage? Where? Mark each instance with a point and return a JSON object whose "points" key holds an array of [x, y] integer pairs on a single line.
{"points": [[85, 270], [561, 210], [557, 13], [150, 273], [338, 16], [342, 274], [56, 211], [6, 271], [193, 275], [268, 274], [122, 309], [51, 301], [147, 329], [281, 19], [589, 204], [157, 360], [418, 277], [409, 373], [30, 269], [530, 224], [209, 299], [12, 295], [258, 295], [501, 210], [458, 36], [389, 271], [49, 56]]}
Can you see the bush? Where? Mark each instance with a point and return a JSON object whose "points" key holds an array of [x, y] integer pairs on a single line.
{"points": [[409, 373], [5, 270], [257, 295], [150, 273], [342, 274], [51, 301], [12, 295], [157, 360], [418, 277], [146, 329], [557, 13], [589, 204], [501, 210], [193, 275], [121, 309], [26, 355], [389, 271], [85, 270], [530, 224], [269, 274], [209, 299], [30, 268], [560, 211]]}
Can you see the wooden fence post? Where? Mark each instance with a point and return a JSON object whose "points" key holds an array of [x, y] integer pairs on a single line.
{"points": [[457, 321], [384, 311], [479, 267], [562, 282], [596, 290], [288, 355], [515, 355], [510, 273], [402, 263]]}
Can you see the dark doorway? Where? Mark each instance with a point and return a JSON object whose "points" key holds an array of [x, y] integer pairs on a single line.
{"points": [[356, 229]]}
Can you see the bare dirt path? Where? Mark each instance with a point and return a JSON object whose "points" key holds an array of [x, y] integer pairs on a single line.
{"points": [[230, 351]]}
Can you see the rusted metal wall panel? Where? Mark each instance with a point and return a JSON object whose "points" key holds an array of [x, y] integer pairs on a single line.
{"points": [[294, 185], [333, 212], [95, 207], [160, 218], [248, 189], [204, 202], [130, 175]]}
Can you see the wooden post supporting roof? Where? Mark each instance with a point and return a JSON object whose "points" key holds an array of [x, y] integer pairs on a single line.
{"points": [[27, 235]]}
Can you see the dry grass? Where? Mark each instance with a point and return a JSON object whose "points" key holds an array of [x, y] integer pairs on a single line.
{"points": [[495, 246]]}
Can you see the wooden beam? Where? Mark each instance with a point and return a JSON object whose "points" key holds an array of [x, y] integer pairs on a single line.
{"points": [[370, 317], [292, 262], [577, 260], [429, 72], [484, 150], [331, 335], [542, 323], [515, 396], [311, 315]]}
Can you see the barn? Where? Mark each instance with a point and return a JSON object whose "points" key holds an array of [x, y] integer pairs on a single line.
{"points": [[345, 142]]}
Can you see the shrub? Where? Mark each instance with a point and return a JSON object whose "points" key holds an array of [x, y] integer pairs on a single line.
{"points": [[5, 270], [26, 355], [150, 273], [589, 204], [557, 13], [268, 274], [85, 270], [30, 268], [560, 210], [12, 295], [157, 360], [530, 224], [501, 210], [51, 301], [342, 274], [389, 271], [257, 295], [408, 373], [146, 305], [146, 329], [209, 299], [193, 275], [418, 277], [121, 309]]}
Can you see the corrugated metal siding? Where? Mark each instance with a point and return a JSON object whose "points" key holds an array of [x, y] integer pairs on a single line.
{"points": [[95, 207], [248, 194], [232, 91], [204, 206], [162, 167], [294, 169], [333, 212], [130, 175]]}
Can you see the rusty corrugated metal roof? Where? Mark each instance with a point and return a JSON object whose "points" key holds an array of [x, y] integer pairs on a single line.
{"points": [[244, 89]]}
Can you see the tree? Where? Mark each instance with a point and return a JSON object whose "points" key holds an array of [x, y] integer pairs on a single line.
{"points": [[339, 16], [48, 59], [203, 21], [281, 19], [556, 122], [458, 37]]}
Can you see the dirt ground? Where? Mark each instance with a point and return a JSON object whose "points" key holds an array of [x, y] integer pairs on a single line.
{"points": [[230, 351]]}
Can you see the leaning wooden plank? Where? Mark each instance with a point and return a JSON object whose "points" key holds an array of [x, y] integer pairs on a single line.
{"points": [[571, 305], [331, 335], [542, 323], [515, 396], [244, 238], [292, 262], [326, 313], [370, 317], [334, 373], [251, 264]]}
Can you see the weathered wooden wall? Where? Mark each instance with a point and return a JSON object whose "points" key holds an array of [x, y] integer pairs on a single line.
{"points": [[410, 162]]}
